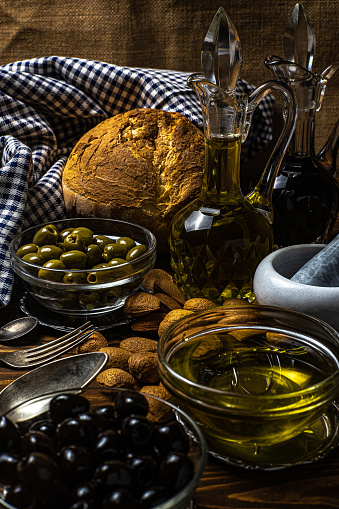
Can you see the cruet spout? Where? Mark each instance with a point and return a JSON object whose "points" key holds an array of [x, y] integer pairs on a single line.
{"points": [[328, 155], [261, 195]]}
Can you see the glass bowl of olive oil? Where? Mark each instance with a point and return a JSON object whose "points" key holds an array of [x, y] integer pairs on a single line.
{"points": [[260, 381]]}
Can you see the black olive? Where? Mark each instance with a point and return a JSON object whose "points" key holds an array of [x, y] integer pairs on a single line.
{"points": [[137, 431], [38, 470], [114, 474], [97, 422], [83, 504], [10, 439], [108, 412], [176, 470], [108, 445], [129, 403], [152, 497], [145, 470], [36, 441], [8, 468], [75, 463], [171, 437], [74, 431], [119, 499], [67, 405], [19, 496], [44, 426], [85, 490]]}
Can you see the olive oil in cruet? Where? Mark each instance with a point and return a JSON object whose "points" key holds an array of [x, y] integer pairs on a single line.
{"points": [[218, 240]]}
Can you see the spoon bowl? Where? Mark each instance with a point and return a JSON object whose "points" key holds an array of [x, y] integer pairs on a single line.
{"points": [[68, 373], [17, 328]]}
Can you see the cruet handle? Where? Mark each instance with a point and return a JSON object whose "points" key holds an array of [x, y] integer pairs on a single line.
{"points": [[328, 155], [261, 196]]}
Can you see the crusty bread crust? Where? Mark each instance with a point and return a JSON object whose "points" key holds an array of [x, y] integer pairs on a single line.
{"points": [[140, 166]]}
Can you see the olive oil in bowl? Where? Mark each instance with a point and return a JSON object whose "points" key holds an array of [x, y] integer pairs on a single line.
{"points": [[262, 396]]}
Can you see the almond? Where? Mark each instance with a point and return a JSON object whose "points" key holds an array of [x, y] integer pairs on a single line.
{"points": [[172, 317], [117, 357], [93, 343], [167, 303], [198, 304], [141, 303], [148, 323], [116, 377], [155, 275], [143, 366], [236, 302], [157, 410], [171, 289], [137, 344]]}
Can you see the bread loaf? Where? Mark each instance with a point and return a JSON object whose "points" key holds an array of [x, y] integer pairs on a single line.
{"points": [[140, 166]]}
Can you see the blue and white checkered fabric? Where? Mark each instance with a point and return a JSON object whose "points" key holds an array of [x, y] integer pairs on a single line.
{"points": [[47, 104]]}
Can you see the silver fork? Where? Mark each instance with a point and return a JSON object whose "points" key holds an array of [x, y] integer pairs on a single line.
{"points": [[44, 353]]}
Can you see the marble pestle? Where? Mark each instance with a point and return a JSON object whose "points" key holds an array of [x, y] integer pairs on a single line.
{"points": [[322, 269]]}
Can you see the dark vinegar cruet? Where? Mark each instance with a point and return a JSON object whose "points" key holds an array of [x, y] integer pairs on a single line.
{"points": [[305, 200], [305, 194]]}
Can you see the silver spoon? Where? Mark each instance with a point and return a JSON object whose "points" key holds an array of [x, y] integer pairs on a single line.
{"points": [[69, 373], [17, 328]]}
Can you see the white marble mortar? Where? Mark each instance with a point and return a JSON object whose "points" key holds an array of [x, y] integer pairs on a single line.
{"points": [[273, 287]]}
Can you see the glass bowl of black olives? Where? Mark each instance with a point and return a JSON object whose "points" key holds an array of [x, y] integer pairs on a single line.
{"points": [[98, 448], [83, 266]]}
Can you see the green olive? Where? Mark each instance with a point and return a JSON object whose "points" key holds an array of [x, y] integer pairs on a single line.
{"points": [[120, 268], [26, 249], [135, 252], [33, 258], [116, 261], [75, 278], [94, 255], [100, 276], [74, 259], [102, 241], [46, 235], [114, 251], [67, 300], [88, 300], [50, 252], [100, 266], [63, 234], [74, 241], [85, 233], [127, 242], [50, 275]]}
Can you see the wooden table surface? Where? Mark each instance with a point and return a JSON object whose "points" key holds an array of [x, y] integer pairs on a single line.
{"points": [[314, 486]]}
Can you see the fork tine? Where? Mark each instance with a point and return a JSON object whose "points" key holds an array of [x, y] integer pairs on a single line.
{"points": [[47, 355], [50, 345]]}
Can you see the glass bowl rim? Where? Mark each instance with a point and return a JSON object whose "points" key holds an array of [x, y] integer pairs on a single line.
{"points": [[151, 251], [331, 380]]}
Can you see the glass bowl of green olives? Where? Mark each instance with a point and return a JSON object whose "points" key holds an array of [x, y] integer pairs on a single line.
{"points": [[99, 448], [83, 266]]}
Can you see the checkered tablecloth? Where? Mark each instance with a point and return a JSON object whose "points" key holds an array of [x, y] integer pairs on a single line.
{"points": [[47, 104]]}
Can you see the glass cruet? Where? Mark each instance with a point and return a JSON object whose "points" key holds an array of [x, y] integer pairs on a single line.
{"points": [[306, 194], [217, 241]]}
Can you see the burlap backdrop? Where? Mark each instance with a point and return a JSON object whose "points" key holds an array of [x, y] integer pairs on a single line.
{"points": [[166, 34]]}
